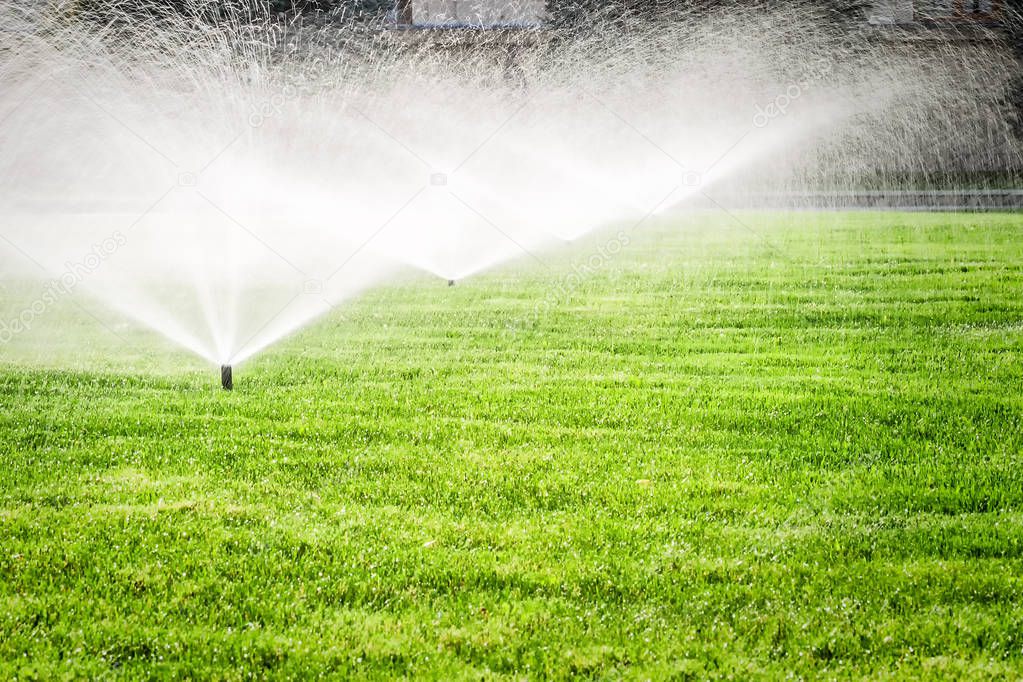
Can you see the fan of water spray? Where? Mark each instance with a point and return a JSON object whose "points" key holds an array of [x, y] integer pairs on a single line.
{"points": [[225, 180]]}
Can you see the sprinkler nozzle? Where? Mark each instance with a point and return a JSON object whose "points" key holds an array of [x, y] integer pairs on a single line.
{"points": [[451, 282], [226, 380]]}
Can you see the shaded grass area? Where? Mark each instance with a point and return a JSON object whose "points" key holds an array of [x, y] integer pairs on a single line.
{"points": [[746, 445]]}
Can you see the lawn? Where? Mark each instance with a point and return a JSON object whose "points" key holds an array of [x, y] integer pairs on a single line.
{"points": [[745, 445]]}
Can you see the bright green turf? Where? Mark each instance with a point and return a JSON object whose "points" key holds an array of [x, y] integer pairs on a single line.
{"points": [[729, 452]]}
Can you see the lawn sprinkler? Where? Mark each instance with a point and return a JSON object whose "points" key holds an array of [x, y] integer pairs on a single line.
{"points": [[451, 282], [226, 378]]}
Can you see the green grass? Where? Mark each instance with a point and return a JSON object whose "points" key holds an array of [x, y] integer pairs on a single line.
{"points": [[790, 445]]}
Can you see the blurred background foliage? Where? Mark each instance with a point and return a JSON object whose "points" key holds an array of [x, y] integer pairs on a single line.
{"points": [[562, 14]]}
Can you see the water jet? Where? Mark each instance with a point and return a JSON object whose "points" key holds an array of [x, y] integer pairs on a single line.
{"points": [[325, 189]]}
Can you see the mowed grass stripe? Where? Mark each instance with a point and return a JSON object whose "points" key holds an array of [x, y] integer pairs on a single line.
{"points": [[707, 457]]}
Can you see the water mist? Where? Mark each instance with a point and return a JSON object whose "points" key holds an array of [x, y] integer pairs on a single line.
{"points": [[248, 176]]}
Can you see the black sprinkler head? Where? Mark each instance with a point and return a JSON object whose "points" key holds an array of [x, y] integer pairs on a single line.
{"points": [[451, 282], [226, 380]]}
